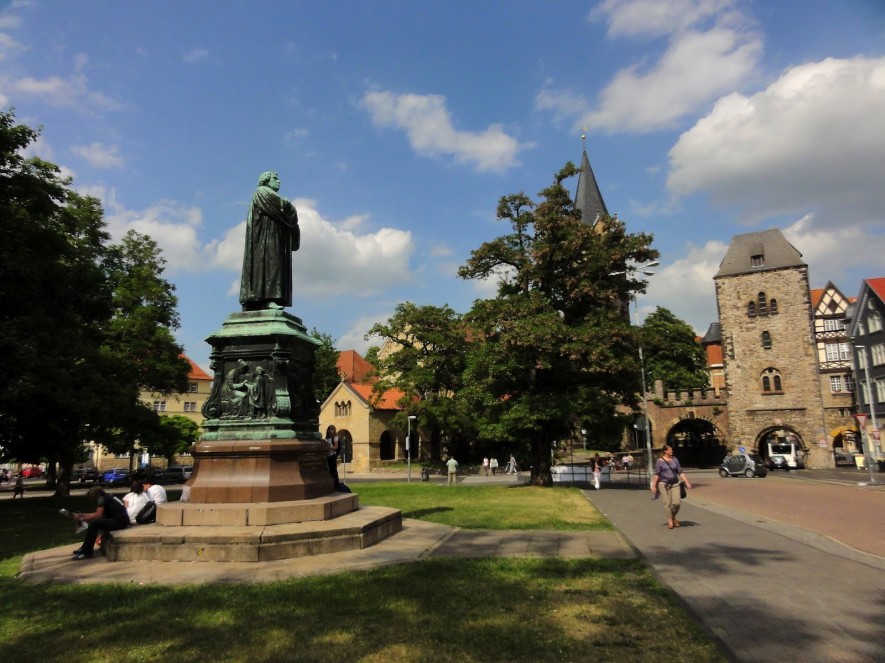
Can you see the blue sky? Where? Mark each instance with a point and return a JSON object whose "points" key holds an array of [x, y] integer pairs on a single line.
{"points": [[395, 127]]}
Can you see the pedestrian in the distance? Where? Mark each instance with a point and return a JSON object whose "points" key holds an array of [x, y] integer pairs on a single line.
{"points": [[19, 488], [452, 464], [493, 463], [665, 482], [597, 470], [485, 465]]}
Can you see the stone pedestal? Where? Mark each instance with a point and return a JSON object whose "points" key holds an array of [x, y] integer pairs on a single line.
{"points": [[259, 471], [260, 440]]}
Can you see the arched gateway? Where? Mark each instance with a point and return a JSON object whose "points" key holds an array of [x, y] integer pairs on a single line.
{"points": [[697, 442]]}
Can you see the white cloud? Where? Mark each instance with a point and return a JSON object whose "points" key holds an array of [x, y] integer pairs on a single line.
{"points": [[99, 155], [171, 224], [655, 18], [711, 50], [294, 136], [334, 259], [814, 140], [354, 338], [72, 91], [686, 287], [195, 55], [431, 132], [824, 247]]}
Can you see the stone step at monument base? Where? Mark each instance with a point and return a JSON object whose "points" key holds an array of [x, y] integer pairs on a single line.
{"points": [[187, 514], [254, 543]]}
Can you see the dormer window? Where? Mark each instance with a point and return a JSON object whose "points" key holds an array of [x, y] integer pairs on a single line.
{"points": [[757, 260]]}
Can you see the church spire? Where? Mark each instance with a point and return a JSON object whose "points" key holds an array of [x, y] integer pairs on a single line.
{"points": [[588, 198]]}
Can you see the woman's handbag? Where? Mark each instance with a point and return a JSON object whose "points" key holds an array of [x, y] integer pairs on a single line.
{"points": [[683, 493]]}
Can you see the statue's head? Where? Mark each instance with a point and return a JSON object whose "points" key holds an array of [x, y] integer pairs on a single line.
{"points": [[270, 179]]}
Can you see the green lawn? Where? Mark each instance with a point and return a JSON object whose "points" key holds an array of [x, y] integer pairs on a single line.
{"points": [[486, 506], [436, 610]]}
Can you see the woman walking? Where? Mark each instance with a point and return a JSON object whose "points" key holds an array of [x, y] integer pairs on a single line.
{"points": [[665, 482]]}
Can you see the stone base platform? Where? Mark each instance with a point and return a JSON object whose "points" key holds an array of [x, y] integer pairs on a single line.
{"points": [[260, 532], [257, 514]]}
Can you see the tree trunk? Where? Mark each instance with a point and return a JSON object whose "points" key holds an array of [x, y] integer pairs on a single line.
{"points": [[541, 476]]}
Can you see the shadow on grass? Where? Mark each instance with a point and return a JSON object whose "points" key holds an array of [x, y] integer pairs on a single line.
{"points": [[421, 513]]}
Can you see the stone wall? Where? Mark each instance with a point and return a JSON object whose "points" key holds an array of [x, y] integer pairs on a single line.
{"points": [[792, 357]]}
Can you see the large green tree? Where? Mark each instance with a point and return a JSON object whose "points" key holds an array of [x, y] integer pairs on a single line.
{"points": [[428, 366], [672, 352], [555, 343], [54, 305], [140, 349], [84, 325], [174, 434]]}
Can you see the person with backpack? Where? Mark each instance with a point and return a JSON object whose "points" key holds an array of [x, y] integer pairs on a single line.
{"points": [[109, 516]]}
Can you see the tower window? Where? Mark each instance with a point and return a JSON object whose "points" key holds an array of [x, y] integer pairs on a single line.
{"points": [[771, 381], [766, 340], [772, 307], [763, 306], [751, 310]]}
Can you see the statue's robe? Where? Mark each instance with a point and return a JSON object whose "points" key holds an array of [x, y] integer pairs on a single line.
{"points": [[272, 234]]}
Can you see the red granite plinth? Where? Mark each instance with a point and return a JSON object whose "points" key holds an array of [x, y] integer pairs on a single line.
{"points": [[249, 471]]}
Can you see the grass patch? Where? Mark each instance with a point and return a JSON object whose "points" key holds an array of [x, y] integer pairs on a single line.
{"points": [[436, 610], [486, 506]]}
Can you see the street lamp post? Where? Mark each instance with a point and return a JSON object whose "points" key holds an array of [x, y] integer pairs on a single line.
{"points": [[647, 271], [644, 397], [584, 437], [868, 397], [411, 418]]}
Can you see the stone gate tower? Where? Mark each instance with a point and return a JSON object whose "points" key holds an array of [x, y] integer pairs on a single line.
{"points": [[770, 357]]}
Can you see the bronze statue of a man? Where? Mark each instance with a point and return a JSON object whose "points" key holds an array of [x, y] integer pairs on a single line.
{"points": [[272, 234]]}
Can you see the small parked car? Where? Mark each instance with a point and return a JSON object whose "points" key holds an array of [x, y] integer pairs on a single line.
{"points": [[188, 470], [86, 475], [172, 475], [748, 465], [844, 458], [33, 472], [116, 476]]}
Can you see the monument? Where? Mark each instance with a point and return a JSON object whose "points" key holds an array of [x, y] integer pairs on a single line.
{"points": [[261, 439], [261, 488]]}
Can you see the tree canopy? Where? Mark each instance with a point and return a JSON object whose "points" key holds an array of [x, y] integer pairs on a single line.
{"points": [[555, 342], [428, 366], [672, 352], [85, 325]]}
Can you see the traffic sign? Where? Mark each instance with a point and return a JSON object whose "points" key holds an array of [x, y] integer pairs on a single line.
{"points": [[861, 419]]}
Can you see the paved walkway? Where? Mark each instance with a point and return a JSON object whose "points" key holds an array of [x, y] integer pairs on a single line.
{"points": [[768, 590]]}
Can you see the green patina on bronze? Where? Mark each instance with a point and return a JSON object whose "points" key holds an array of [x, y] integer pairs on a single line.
{"points": [[272, 235]]}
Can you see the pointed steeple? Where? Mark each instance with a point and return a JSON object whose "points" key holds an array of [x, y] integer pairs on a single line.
{"points": [[588, 198]]}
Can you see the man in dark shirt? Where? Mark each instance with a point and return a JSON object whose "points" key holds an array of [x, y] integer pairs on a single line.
{"points": [[109, 515]]}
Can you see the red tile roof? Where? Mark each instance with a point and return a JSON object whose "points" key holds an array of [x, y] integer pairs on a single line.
{"points": [[877, 286], [352, 367], [388, 401], [816, 294], [196, 373]]}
